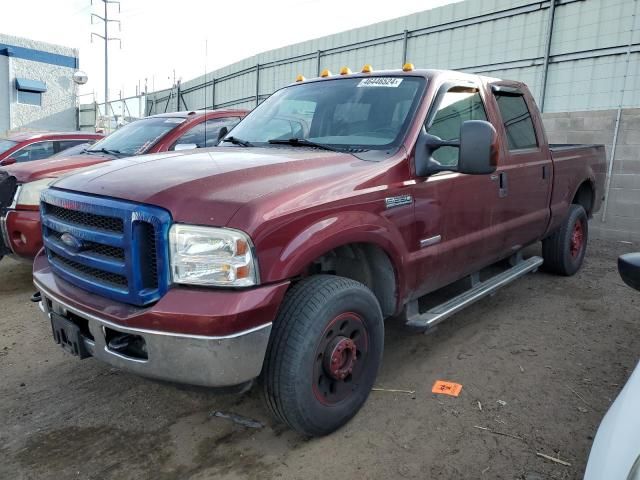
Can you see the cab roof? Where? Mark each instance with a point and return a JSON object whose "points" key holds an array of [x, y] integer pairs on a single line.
{"points": [[425, 73]]}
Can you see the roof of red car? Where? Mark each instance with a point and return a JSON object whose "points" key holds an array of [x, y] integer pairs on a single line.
{"points": [[199, 113], [22, 136]]}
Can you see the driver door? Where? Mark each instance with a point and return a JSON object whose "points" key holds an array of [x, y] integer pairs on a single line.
{"points": [[457, 215]]}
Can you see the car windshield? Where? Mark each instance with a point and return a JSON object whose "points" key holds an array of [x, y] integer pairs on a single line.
{"points": [[368, 113], [6, 145], [137, 137]]}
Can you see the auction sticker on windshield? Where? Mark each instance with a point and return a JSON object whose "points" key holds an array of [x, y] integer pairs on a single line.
{"points": [[392, 82]]}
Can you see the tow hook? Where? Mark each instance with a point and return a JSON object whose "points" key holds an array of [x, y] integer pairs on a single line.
{"points": [[36, 297], [126, 344]]}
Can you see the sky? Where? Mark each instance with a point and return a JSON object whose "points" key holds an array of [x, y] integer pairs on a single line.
{"points": [[160, 36]]}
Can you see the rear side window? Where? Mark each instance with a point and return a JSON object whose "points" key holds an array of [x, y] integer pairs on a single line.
{"points": [[458, 105], [205, 134], [517, 122], [64, 144]]}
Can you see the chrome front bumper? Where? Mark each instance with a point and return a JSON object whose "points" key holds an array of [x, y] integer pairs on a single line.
{"points": [[189, 359]]}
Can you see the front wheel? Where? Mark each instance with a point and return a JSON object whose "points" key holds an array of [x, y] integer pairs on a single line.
{"points": [[323, 355], [564, 250]]}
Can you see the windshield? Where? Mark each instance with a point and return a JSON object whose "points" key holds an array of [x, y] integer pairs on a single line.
{"points": [[6, 145], [370, 113], [137, 137]]}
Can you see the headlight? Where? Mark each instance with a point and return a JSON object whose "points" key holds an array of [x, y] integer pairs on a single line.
{"points": [[29, 193], [211, 256]]}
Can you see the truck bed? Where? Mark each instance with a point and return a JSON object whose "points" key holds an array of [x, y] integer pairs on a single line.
{"points": [[571, 161], [556, 147]]}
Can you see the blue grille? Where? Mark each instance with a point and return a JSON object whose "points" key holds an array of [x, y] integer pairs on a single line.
{"points": [[113, 248]]}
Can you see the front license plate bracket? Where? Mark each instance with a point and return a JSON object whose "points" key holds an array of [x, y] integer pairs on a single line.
{"points": [[68, 335]]}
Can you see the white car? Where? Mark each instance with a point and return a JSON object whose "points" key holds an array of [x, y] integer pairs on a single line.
{"points": [[615, 453]]}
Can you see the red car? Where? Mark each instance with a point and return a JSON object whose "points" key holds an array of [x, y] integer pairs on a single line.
{"points": [[19, 216], [29, 146]]}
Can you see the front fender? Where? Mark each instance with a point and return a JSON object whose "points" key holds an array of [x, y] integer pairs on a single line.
{"points": [[327, 233]]}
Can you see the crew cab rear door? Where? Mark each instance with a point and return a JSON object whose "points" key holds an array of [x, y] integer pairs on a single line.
{"points": [[524, 177]]}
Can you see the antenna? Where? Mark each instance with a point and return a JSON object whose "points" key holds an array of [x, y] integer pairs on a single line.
{"points": [[106, 38]]}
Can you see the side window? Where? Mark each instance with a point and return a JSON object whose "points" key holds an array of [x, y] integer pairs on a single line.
{"points": [[64, 144], [205, 134], [517, 121], [30, 98], [458, 105], [35, 151]]}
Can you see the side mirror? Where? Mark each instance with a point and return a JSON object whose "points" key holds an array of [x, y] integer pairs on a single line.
{"points": [[478, 149], [629, 269], [8, 161], [222, 133], [185, 146]]}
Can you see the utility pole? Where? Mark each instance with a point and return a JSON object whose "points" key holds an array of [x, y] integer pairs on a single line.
{"points": [[106, 39]]}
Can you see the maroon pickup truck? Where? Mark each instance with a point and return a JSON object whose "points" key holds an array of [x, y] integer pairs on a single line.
{"points": [[20, 229], [338, 202]]}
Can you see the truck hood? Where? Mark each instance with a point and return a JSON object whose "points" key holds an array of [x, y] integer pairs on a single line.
{"points": [[53, 167], [208, 187]]}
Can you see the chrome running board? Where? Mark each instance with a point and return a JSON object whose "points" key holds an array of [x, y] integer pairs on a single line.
{"points": [[479, 290]]}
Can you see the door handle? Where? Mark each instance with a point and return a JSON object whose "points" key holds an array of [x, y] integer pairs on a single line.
{"points": [[501, 178]]}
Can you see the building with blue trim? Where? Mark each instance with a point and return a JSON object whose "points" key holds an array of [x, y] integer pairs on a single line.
{"points": [[37, 91]]}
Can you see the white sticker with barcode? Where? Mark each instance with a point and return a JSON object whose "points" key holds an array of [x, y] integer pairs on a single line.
{"points": [[392, 82]]}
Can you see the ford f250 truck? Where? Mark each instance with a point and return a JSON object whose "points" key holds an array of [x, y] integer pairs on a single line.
{"points": [[20, 229], [338, 202]]}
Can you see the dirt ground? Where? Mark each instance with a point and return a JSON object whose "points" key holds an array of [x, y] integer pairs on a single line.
{"points": [[539, 362]]}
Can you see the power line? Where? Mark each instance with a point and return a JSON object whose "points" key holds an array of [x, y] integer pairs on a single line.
{"points": [[106, 39]]}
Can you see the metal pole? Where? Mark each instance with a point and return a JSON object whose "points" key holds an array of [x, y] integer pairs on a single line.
{"points": [[619, 114], [106, 56], [404, 46], [213, 94], [257, 84], [547, 53], [178, 95], [318, 62]]}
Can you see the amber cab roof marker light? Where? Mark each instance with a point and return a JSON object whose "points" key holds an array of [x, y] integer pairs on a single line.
{"points": [[408, 67], [300, 78], [325, 73], [367, 68], [345, 71]]}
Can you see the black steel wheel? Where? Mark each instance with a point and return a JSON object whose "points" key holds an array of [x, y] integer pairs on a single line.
{"points": [[324, 353], [564, 250]]}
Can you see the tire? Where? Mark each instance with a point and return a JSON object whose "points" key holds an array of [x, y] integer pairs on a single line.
{"points": [[564, 250], [323, 355]]}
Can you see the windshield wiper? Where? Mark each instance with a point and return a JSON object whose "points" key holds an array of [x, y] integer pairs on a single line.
{"points": [[105, 150], [237, 141], [303, 142]]}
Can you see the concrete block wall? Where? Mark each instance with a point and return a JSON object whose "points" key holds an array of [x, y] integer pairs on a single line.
{"points": [[622, 217]]}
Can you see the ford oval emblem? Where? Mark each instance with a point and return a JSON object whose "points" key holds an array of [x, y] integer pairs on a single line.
{"points": [[72, 242]]}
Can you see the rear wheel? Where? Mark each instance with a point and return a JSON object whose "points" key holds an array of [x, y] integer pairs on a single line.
{"points": [[324, 353], [564, 250]]}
